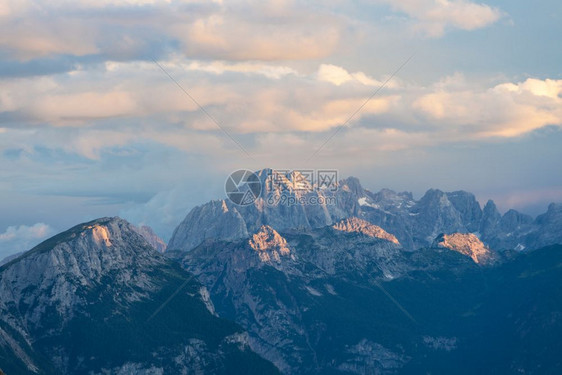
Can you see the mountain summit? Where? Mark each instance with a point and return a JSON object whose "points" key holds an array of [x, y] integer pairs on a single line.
{"points": [[95, 299]]}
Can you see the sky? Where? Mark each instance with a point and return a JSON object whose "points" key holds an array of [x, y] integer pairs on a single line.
{"points": [[100, 102]]}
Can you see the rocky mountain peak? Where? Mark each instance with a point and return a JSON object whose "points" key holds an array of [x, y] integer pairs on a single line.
{"points": [[55, 273], [490, 219], [490, 207], [469, 208], [390, 195], [467, 244], [432, 195], [436, 202], [269, 244], [415, 223], [554, 212], [555, 207], [101, 233], [549, 224], [353, 185], [61, 301], [280, 181], [216, 219], [356, 225], [513, 220]]}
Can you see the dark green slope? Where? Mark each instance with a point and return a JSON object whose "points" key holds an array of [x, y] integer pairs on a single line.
{"points": [[444, 315]]}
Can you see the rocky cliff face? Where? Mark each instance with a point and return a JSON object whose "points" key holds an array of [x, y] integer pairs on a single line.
{"points": [[415, 224], [467, 244], [269, 245], [546, 229], [356, 225], [341, 299], [83, 302], [373, 282], [214, 220], [269, 282], [151, 237]]}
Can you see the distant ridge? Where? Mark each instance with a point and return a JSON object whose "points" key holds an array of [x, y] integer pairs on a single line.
{"points": [[414, 223]]}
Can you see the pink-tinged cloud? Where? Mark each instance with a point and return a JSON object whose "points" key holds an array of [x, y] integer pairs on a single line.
{"points": [[505, 110]]}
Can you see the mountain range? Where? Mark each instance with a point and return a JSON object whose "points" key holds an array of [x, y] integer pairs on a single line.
{"points": [[415, 223], [364, 283]]}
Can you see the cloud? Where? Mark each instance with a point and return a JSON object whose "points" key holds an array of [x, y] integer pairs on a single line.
{"points": [[434, 17], [241, 30], [21, 238], [245, 102], [338, 76], [530, 198], [78, 107], [119, 104], [89, 125], [221, 67], [167, 208], [504, 110]]}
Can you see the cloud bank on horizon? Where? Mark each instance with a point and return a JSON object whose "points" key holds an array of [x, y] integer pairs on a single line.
{"points": [[88, 120]]}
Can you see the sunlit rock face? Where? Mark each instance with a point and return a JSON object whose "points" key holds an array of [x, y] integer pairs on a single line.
{"points": [[467, 244], [269, 244], [356, 225]]}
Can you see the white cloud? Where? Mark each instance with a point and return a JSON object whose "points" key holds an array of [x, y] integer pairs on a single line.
{"points": [[241, 30], [166, 209], [78, 107], [504, 110], [135, 102], [241, 104], [338, 76], [21, 238], [434, 17], [221, 67]]}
